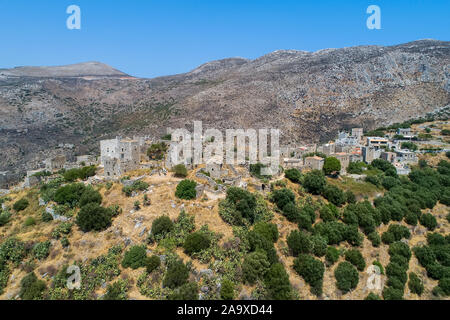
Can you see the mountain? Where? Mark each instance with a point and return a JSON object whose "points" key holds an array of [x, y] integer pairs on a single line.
{"points": [[87, 69], [308, 95]]}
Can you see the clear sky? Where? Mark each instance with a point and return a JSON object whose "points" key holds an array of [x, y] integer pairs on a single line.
{"points": [[149, 38]]}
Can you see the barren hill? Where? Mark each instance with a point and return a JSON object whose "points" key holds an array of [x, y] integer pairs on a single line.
{"points": [[308, 95]]}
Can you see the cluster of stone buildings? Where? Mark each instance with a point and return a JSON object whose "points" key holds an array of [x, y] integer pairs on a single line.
{"points": [[353, 147]]}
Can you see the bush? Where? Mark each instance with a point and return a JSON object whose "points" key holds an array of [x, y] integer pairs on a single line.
{"points": [[180, 171], [299, 242], [196, 242], [374, 238], [135, 257], [350, 197], [314, 182], [267, 230], [31, 288], [188, 291], [227, 290], [46, 217], [277, 283], [152, 263], [240, 207], [415, 284], [333, 194], [12, 249], [311, 270], [41, 250], [90, 196], [329, 212], [21, 205], [372, 296], [176, 275], [394, 233], [293, 174], [428, 221], [331, 165], [319, 245], [444, 284], [162, 226], [4, 218], [255, 266], [389, 182], [332, 255], [116, 291], [347, 277], [373, 180], [69, 194], [411, 218], [282, 197], [186, 190], [93, 217], [401, 249], [355, 257], [29, 221], [292, 213], [390, 293]]}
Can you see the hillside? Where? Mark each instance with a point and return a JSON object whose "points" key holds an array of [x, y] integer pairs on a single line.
{"points": [[312, 94]]}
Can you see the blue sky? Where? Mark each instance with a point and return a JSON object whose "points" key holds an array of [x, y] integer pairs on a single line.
{"points": [[149, 38]]}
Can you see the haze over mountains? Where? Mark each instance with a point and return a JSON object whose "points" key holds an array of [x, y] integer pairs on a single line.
{"points": [[308, 95]]}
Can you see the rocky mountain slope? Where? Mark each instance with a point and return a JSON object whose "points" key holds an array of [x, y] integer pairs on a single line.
{"points": [[308, 95]]}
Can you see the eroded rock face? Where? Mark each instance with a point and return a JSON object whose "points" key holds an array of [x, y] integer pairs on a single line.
{"points": [[308, 95]]}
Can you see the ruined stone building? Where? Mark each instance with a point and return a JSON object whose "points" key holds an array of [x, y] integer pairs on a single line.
{"points": [[344, 159], [370, 153], [86, 160], [358, 133], [55, 163], [119, 156]]}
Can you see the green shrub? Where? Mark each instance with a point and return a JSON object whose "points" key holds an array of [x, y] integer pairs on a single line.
{"points": [[69, 194], [374, 238], [293, 174], [188, 291], [227, 290], [137, 185], [390, 293], [240, 207], [350, 196], [176, 275], [372, 296], [347, 277], [162, 226], [21, 205], [282, 197], [394, 233], [135, 257], [400, 248], [46, 217], [333, 194], [12, 249], [277, 283], [93, 217], [180, 171], [186, 190], [332, 255], [62, 229], [331, 165], [255, 266], [311, 270], [152, 263], [116, 291], [415, 284], [4, 218], [29, 221], [444, 284], [319, 245], [428, 221], [355, 257], [267, 230], [41, 250], [329, 212], [31, 288], [314, 182], [299, 243], [196, 242], [90, 196], [411, 218]]}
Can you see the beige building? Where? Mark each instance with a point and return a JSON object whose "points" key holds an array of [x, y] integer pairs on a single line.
{"points": [[119, 156], [344, 159], [314, 163], [55, 163]]}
